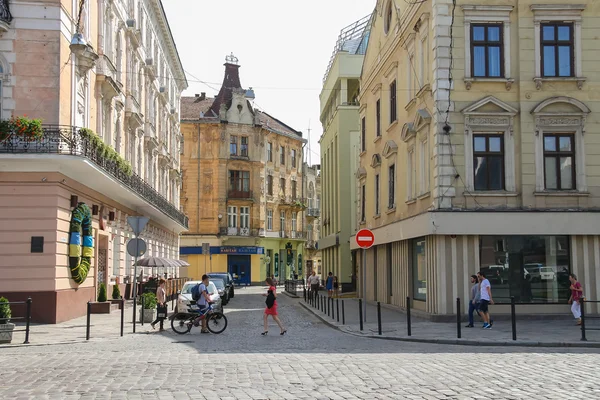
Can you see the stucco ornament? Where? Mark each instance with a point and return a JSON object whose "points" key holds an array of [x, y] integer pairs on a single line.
{"points": [[80, 258]]}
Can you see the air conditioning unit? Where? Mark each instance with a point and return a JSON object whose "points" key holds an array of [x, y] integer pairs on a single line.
{"points": [[149, 61], [131, 23], [162, 89]]}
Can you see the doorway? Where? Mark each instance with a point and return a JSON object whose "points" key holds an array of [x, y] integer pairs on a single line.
{"points": [[239, 268], [102, 262]]}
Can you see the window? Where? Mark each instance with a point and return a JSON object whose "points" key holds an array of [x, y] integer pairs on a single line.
{"points": [[294, 193], [488, 161], [233, 146], [239, 181], [269, 220], [363, 201], [557, 50], [282, 185], [244, 217], [388, 17], [487, 50], [391, 187], [244, 146], [377, 194], [559, 161], [378, 118], [270, 152], [419, 270], [282, 155], [232, 217], [424, 168], [363, 134], [282, 222], [533, 269], [294, 221], [116, 254], [410, 77], [410, 175], [270, 185], [393, 102], [294, 158]]}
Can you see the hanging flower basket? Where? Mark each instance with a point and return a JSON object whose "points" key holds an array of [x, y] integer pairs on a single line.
{"points": [[22, 127]]}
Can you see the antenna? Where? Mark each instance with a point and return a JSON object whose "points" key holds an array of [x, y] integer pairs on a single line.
{"points": [[309, 150]]}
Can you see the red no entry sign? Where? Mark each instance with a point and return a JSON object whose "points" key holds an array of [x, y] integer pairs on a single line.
{"points": [[365, 238]]}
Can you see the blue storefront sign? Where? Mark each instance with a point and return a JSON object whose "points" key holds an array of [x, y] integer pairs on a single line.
{"points": [[234, 250]]}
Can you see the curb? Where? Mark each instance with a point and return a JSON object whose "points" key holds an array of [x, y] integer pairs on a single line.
{"points": [[293, 296], [457, 342]]}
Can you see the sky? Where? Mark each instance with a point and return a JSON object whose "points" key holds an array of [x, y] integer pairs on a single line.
{"points": [[283, 48]]}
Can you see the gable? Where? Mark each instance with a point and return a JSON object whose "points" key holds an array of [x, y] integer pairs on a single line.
{"points": [[375, 160], [490, 105], [390, 148]]}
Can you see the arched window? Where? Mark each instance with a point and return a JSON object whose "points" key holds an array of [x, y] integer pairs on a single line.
{"points": [[119, 57], [388, 17]]}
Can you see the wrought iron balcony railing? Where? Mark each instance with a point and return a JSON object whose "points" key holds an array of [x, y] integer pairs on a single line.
{"points": [[67, 140], [240, 194], [313, 212], [5, 14], [235, 231]]}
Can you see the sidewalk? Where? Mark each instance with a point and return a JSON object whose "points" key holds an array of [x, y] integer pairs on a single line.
{"points": [[102, 326], [560, 332]]}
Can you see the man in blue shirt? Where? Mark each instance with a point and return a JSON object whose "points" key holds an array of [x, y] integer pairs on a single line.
{"points": [[203, 302]]}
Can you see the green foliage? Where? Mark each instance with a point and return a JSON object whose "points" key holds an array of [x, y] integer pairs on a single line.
{"points": [[116, 294], [23, 127], [102, 293], [106, 151], [149, 301], [5, 313]]}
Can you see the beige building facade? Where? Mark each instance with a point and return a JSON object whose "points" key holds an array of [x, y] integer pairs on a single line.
{"points": [[105, 81], [312, 215], [243, 186], [480, 148]]}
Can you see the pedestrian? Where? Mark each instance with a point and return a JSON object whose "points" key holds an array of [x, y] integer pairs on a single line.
{"points": [[474, 300], [313, 281], [329, 284], [485, 290], [161, 306], [335, 286], [576, 296], [271, 308]]}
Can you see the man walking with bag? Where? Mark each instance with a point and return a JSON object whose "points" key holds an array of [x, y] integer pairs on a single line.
{"points": [[485, 289], [474, 300]]}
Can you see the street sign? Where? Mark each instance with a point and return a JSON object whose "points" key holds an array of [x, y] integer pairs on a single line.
{"points": [[136, 247], [365, 238], [137, 224]]}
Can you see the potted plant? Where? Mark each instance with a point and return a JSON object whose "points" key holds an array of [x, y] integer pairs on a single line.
{"points": [[149, 302], [101, 306], [116, 295], [6, 328]]}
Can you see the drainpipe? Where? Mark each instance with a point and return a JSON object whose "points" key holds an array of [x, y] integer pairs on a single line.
{"points": [[198, 184]]}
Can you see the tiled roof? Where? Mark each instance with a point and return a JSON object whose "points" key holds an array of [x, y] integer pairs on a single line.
{"points": [[191, 107], [276, 125]]}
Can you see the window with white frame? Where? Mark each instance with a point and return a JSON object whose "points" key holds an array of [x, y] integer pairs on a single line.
{"points": [[282, 222], [392, 187], [232, 217], [294, 221], [410, 76], [269, 220], [487, 43], [424, 56], [424, 166], [410, 174], [244, 217], [558, 42], [377, 211]]}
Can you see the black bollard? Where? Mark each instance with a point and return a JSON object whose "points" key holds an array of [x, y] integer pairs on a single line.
{"points": [[582, 305], [142, 312], [328, 301], [337, 309], [332, 309], [134, 311], [513, 317], [343, 314], [408, 327], [360, 312], [458, 332], [122, 315], [28, 316], [87, 325], [379, 317]]}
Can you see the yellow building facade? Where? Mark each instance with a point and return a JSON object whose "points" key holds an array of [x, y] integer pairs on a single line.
{"points": [[242, 187], [479, 153]]}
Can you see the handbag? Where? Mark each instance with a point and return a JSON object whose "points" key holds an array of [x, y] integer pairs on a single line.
{"points": [[161, 311], [270, 299]]}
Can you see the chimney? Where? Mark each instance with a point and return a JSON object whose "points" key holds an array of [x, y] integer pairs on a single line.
{"points": [[203, 96], [197, 95]]}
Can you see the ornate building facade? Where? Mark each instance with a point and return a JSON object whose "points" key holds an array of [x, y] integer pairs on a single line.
{"points": [[111, 68], [312, 215], [242, 186], [479, 133]]}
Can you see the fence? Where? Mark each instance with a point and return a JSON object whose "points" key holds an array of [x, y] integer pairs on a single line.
{"points": [[27, 319], [89, 318], [582, 301]]}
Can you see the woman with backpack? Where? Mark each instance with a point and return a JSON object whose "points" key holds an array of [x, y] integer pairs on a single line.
{"points": [[272, 308]]}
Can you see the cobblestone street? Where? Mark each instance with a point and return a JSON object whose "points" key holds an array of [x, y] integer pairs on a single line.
{"points": [[312, 361]]}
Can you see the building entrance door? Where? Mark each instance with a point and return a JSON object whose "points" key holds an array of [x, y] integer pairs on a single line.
{"points": [[240, 268]]}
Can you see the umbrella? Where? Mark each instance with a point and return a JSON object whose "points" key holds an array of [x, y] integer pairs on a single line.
{"points": [[157, 262]]}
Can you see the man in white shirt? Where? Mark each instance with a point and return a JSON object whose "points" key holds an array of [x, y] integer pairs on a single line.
{"points": [[486, 299], [203, 302], [313, 282]]}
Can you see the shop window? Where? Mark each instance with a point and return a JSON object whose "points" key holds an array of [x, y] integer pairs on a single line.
{"points": [[532, 269], [419, 269]]}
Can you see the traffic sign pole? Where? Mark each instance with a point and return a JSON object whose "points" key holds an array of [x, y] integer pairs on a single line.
{"points": [[364, 239]]}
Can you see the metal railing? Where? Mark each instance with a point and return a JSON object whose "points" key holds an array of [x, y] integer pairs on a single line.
{"points": [[67, 140], [291, 285], [5, 14], [26, 318], [582, 302]]}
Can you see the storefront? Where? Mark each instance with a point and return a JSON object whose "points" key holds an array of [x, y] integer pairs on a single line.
{"points": [[245, 263]]}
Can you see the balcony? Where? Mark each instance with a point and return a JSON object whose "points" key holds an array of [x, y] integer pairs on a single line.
{"points": [[235, 231], [5, 16], [64, 149], [239, 195], [150, 135], [296, 203], [311, 245], [133, 111], [106, 73], [313, 212]]}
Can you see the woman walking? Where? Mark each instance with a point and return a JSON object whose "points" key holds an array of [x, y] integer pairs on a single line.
{"points": [[576, 295], [271, 308], [329, 284], [161, 296]]}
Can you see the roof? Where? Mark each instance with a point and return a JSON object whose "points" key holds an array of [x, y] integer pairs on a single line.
{"points": [[192, 107], [231, 81]]}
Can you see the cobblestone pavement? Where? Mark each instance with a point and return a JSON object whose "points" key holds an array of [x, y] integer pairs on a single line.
{"points": [[313, 361]]}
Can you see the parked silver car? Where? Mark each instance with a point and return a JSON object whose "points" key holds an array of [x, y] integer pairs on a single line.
{"points": [[185, 302]]}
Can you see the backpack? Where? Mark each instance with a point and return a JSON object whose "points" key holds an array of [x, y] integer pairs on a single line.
{"points": [[196, 292], [270, 299]]}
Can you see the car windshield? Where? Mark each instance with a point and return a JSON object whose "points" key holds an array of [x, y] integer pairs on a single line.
{"points": [[219, 283], [222, 276], [187, 288], [547, 269]]}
